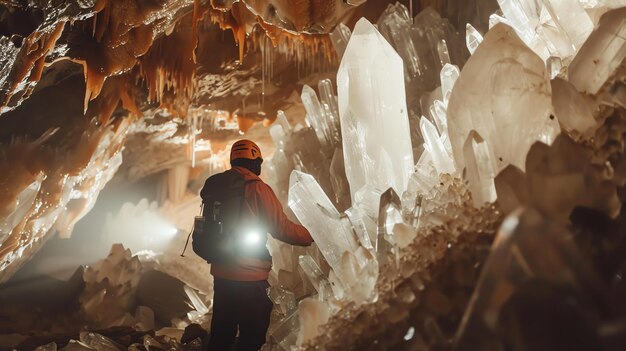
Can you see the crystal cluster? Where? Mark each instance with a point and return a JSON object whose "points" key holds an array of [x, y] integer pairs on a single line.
{"points": [[121, 302], [476, 127], [552, 28], [426, 44], [49, 192], [110, 289], [403, 180]]}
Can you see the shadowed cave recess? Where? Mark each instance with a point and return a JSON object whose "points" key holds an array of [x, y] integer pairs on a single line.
{"points": [[460, 165]]}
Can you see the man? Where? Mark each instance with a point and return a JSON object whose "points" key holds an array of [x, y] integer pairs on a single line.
{"points": [[240, 301]]}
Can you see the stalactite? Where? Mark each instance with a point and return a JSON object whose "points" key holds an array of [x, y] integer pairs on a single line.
{"points": [[115, 90]]}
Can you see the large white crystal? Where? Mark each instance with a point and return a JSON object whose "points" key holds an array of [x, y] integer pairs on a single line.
{"points": [[504, 94], [372, 106]]}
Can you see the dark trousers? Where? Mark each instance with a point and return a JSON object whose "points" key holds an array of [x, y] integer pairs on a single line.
{"points": [[239, 305]]}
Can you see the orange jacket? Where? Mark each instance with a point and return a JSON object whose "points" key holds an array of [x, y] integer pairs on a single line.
{"points": [[261, 202]]}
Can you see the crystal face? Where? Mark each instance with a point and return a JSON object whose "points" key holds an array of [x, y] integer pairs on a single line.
{"points": [[504, 94], [374, 121]]}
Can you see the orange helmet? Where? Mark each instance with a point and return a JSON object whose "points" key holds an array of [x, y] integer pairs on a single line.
{"points": [[245, 149]]}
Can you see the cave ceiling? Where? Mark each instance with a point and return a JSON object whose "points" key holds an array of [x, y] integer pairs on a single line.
{"points": [[66, 63]]}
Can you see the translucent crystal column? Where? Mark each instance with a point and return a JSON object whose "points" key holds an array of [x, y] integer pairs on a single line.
{"points": [[372, 106], [316, 116], [433, 145], [448, 76], [479, 165], [503, 93], [338, 180], [317, 213], [316, 276], [473, 38], [328, 100], [601, 55], [390, 214], [339, 37]]}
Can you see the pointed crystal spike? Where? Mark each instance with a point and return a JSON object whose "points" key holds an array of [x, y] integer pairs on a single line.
{"points": [[373, 111], [277, 133], [340, 37], [480, 166], [473, 38], [449, 74], [328, 99], [281, 118], [496, 18], [441, 159], [315, 115], [443, 52], [389, 214], [440, 116]]}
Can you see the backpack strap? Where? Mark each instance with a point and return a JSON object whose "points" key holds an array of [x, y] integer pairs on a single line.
{"points": [[243, 194]]}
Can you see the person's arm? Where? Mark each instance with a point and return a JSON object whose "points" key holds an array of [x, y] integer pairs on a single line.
{"points": [[271, 211]]}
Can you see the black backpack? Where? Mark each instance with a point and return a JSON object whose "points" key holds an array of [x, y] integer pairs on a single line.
{"points": [[216, 234]]}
